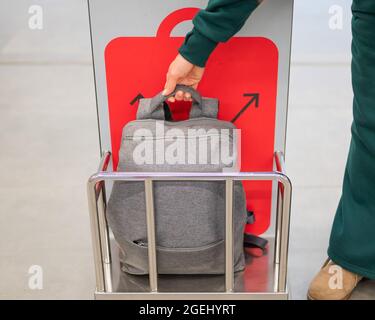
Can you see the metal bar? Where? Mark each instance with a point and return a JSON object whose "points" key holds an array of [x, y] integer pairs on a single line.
{"points": [[99, 240], [107, 269], [151, 239], [276, 273], [282, 231], [103, 166], [186, 176], [284, 236], [105, 241], [103, 227], [95, 235], [279, 160], [229, 272], [279, 208]]}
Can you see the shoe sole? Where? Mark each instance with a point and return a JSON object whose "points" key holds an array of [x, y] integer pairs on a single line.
{"points": [[347, 297]]}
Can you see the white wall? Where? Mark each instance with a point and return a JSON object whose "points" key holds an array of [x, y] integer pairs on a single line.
{"points": [[313, 39]]}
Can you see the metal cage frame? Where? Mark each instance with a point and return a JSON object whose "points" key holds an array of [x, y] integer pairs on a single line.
{"points": [[101, 241]]}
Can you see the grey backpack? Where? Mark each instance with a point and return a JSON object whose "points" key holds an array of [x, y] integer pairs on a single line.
{"points": [[189, 215]]}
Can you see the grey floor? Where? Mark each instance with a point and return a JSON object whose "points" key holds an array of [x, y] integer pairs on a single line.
{"points": [[49, 146]]}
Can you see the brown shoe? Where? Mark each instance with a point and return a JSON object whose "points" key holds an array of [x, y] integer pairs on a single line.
{"points": [[333, 283]]}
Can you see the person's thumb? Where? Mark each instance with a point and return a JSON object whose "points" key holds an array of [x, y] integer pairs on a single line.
{"points": [[170, 85]]}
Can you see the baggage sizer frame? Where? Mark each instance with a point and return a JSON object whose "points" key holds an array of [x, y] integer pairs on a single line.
{"points": [[105, 266], [264, 277]]}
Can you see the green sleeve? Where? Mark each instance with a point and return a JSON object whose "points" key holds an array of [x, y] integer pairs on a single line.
{"points": [[217, 23]]}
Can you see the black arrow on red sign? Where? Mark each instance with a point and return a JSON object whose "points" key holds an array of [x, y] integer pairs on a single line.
{"points": [[139, 96], [254, 98]]}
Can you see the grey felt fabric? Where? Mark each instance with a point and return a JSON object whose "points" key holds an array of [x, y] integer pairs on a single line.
{"points": [[190, 215]]}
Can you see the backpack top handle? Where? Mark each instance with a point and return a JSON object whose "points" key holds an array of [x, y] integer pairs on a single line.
{"points": [[201, 107]]}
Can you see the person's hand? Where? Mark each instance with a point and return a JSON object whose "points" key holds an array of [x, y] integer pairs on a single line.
{"points": [[184, 72]]}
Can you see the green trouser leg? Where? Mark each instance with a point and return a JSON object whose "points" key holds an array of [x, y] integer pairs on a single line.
{"points": [[352, 243]]}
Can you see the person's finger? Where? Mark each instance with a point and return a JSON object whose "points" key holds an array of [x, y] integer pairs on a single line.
{"points": [[187, 96], [179, 95], [170, 85]]}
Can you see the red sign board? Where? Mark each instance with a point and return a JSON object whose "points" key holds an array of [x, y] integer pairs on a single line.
{"points": [[242, 73]]}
